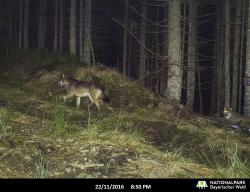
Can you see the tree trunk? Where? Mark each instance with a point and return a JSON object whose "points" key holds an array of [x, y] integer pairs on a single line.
{"points": [[217, 99], [192, 41], [164, 69], [227, 53], [143, 40], [130, 49], [72, 35], [183, 26], [158, 51], [81, 31], [242, 45], [214, 94], [61, 27], [174, 84], [220, 70], [87, 32], [125, 36], [26, 25], [55, 43], [247, 77], [42, 23], [235, 82], [20, 35], [10, 35]]}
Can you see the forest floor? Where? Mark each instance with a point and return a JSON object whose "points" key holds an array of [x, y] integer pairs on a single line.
{"points": [[137, 135]]}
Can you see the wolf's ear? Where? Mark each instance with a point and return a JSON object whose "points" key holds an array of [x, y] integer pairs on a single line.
{"points": [[63, 75]]}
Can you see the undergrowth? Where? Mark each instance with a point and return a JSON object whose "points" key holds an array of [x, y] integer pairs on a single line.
{"points": [[230, 166]]}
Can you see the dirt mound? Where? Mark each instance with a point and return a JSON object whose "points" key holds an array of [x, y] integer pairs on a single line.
{"points": [[44, 81], [122, 91]]}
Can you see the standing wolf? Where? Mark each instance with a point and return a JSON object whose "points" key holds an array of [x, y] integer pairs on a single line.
{"points": [[78, 89]]}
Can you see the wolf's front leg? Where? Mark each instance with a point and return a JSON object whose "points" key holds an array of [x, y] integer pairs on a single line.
{"points": [[78, 102], [66, 97]]}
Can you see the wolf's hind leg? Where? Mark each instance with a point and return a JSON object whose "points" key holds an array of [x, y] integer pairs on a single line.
{"points": [[90, 98], [98, 100], [78, 102], [97, 104]]}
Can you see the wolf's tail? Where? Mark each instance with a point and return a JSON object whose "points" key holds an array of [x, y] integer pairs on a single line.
{"points": [[104, 96]]}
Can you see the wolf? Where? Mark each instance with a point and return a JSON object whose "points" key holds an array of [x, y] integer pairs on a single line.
{"points": [[78, 89], [228, 113], [232, 117], [237, 121]]}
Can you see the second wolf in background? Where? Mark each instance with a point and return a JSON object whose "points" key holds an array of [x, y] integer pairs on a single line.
{"points": [[228, 112], [232, 117], [78, 89], [238, 122]]}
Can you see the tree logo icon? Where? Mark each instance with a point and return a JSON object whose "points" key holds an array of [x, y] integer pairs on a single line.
{"points": [[201, 184]]}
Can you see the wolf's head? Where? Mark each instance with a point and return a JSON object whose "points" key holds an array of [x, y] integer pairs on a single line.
{"points": [[64, 81], [227, 112]]}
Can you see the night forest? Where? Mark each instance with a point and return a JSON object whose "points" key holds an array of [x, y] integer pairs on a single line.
{"points": [[176, 74]]}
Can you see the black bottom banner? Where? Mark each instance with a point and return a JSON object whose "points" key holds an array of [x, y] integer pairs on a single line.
{"points": [[145, 185]]}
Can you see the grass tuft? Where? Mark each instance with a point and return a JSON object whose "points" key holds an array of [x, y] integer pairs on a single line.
{"points": [[230, 166], [5, 122], [59, 122], [41, 171]]}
